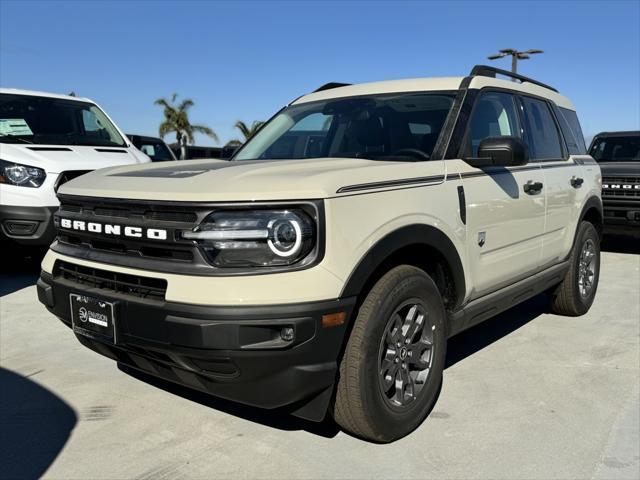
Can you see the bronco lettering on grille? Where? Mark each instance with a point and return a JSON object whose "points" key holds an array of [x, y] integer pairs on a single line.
{"points": [[622, 186], [114, 230]]}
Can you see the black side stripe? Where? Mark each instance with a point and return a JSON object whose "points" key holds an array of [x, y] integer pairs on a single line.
{"points": [[435, 179], [503, 171], [585, 161], [559, 165], [392, 183]]}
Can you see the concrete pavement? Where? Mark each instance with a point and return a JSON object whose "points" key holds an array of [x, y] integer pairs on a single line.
{"points": [[526, 395]]}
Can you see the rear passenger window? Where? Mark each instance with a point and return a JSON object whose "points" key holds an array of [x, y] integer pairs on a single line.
{"points": [[572, 132], [542, 133], [494, 115]]}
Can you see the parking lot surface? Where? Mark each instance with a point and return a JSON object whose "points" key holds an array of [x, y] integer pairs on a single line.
{"points": [[526, 395]]}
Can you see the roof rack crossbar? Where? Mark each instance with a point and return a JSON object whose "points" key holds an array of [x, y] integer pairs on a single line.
{"points": [[487, 71], [330, 85]]}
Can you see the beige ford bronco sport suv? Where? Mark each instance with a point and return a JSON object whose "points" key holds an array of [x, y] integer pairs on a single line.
{"points": [[324, 267]]}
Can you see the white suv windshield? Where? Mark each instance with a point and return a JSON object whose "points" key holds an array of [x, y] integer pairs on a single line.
{"points": [[396, 126], [51, 121]]}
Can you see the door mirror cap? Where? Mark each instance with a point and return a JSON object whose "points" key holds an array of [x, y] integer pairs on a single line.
{"points": [[500, 152]]}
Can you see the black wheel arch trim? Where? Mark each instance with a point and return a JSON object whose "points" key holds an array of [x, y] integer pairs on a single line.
{"points": [[592, 203], [416, 234]]}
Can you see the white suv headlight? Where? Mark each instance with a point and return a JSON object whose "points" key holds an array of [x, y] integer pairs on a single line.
{"points": [[255, 238], [21, 175]]}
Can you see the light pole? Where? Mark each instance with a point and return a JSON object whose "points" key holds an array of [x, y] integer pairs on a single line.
{"points": [[515, 56]]}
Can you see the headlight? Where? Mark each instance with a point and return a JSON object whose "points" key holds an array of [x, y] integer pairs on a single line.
{"points": [[21, 175], [256, 238]]}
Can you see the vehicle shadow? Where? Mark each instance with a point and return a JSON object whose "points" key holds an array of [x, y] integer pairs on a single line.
{"points": [[460, 347], [35, 424], [278, 418], [19, 270], [620, 244], [490, 331]]}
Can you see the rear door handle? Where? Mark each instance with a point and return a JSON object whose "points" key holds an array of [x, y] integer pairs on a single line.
{"points": [[532, 187], [576, 182]]}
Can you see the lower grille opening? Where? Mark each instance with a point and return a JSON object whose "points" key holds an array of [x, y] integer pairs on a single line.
{"points": [[142, 287], [216, 366]]}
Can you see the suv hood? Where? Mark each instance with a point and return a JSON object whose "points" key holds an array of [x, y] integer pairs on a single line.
{"points": [[62, 158], [220, 180], [621, 169]]}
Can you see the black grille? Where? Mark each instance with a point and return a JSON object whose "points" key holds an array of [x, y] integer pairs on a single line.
{"points": [[155, 216], [64, 177], [142, 287], [134, 212], [621, 187]]}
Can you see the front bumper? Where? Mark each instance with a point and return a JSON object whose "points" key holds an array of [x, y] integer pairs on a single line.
{"points": [[234, 352], [622, 217], [28, 226]]}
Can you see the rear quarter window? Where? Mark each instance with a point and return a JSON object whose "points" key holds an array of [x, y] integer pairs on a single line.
{"points": [[572, 131]]}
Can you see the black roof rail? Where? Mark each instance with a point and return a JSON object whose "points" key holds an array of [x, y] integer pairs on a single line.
{"points": [[487, 71], [330, 85]]}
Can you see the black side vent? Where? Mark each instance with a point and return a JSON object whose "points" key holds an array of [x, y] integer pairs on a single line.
{"points": [[50, 149], [109, 150], [64, 177]]}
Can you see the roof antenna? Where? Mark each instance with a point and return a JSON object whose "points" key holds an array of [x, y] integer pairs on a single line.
{"points": [[72, 94]]}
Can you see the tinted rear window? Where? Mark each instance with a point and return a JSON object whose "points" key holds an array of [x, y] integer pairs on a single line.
{"points": [[572, 132], [542, 134]]}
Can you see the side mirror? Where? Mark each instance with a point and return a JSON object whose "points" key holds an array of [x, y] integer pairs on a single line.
{"points": [[500, 152], [228, 151]]}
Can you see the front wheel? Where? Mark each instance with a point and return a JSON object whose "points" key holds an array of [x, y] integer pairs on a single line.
{"points": [[391, 372], [575, 294]]}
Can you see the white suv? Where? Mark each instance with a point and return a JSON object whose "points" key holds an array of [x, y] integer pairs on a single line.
{"points": [[324, 268], [46, 140]]}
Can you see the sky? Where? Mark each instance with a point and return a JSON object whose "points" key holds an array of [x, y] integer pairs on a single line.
{"points": [[245, 60]]}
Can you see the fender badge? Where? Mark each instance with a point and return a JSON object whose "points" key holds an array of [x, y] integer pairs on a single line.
{"points": [[481, 238]]}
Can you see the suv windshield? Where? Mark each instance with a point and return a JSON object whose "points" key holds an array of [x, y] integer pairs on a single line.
{"points": [[395, 126], [52, 121], [616, 149]]}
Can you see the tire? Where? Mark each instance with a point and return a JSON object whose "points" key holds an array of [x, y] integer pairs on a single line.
{"points": [[368, 403], [575, 294]]}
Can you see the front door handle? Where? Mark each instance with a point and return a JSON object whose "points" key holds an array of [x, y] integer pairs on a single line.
{"points": [[576, 182], [532, 187]]}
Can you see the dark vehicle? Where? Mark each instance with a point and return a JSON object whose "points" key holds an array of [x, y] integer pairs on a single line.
{"points": [[618, 154], [153, 147], [197, 153]]}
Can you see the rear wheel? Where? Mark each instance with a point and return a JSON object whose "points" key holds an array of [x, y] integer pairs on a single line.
{"points": [[391, 372], [575, 294]]}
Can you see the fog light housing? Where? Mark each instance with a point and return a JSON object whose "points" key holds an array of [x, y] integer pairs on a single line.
{"points": [[20, 227], [287, 334]]}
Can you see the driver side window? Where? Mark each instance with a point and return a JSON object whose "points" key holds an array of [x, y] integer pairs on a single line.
{"points": [[495, 115]]}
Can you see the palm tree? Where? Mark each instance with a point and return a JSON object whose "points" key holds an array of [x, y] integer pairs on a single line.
{"points": [[176, 119], [247, 132]]}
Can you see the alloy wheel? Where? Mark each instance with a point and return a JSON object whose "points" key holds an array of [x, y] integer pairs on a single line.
{"points": [[406, 354], [587, 268]]}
